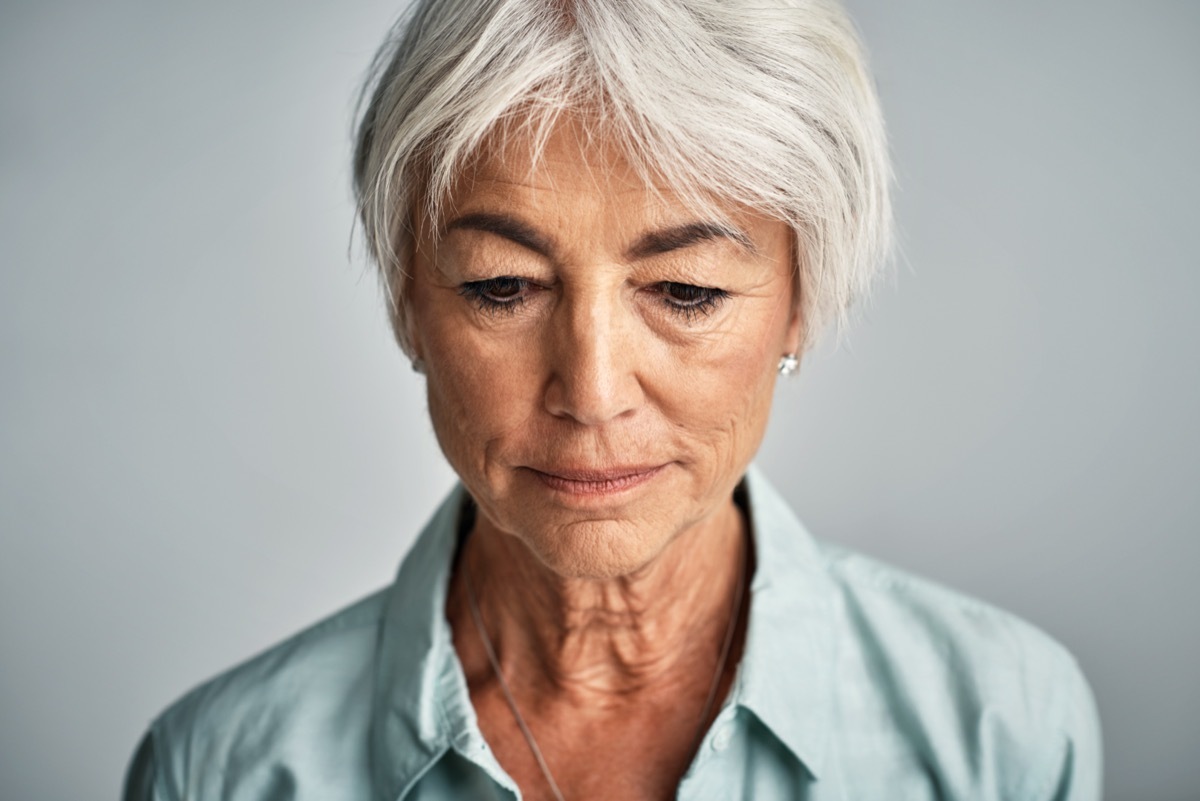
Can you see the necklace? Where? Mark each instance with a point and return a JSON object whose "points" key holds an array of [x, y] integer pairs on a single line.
{"points": [[726, 646]]}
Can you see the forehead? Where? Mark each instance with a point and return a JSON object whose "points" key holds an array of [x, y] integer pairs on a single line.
{"points": [[576, 170], [572, 155]]}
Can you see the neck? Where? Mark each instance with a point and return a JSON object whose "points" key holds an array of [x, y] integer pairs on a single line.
{"points": [[601, 641]]}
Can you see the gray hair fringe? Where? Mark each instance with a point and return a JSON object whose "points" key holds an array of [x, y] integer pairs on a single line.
{"points": [[764, 103]]}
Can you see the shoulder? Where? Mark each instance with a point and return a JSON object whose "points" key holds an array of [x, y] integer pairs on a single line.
{"points": [[308, 695], [328, 655], [924, 619], [976, 685]]}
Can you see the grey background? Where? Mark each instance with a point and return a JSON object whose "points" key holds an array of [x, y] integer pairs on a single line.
{"points": [[208, 440]]}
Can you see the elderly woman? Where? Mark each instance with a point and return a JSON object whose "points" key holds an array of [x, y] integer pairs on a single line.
{"points": [[605, 227]]}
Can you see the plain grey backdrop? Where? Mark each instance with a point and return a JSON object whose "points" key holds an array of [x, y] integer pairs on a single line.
{"points": [[208, 440]]}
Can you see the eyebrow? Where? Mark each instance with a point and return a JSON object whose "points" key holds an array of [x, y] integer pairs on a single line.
{"points": [[682, 236], [653, 243], [503, 226]]}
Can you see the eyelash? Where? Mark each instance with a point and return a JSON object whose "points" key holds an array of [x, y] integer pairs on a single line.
{"points": [[697, 301], [481, 293]]}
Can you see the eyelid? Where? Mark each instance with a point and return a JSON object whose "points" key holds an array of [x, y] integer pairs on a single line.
{"points": [[698, 300], [481, 293], [704, 302]]}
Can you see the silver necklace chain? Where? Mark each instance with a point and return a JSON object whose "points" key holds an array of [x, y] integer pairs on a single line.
{"points": [[726, 647]]}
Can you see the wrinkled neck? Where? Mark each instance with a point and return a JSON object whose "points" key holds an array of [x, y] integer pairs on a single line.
{"points": [[600, 641]]}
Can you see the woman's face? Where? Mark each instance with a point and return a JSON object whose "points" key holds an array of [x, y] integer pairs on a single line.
{"points": [[600, 360]]}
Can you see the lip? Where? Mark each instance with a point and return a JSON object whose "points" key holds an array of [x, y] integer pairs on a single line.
{"points": [[596, 481]]}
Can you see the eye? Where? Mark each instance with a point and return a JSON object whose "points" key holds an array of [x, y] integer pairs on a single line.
{"points": [[504, 293], [690, 300]]}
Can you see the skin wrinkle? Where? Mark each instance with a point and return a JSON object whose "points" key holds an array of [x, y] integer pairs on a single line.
{"points": [[607, 613]]}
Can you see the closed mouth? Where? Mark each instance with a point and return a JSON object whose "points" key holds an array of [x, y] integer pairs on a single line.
{"points": [[588, 481]]}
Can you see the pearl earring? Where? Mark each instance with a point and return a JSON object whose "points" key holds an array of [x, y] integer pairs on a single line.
{"points": [[788, 364]]}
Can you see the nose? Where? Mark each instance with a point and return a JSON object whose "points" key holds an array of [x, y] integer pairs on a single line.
{"points": [[594, 360]]}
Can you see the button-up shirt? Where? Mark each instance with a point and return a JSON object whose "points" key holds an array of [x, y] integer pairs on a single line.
{"points": [[858, 682]]}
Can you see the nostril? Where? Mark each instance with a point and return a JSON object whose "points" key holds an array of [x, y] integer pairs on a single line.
{"points": [[592, 391]]}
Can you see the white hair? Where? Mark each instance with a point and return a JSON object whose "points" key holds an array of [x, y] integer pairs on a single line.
{"points": [[763, 103]]}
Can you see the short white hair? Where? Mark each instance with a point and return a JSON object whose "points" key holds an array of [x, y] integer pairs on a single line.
{"points": [[764, 103]]}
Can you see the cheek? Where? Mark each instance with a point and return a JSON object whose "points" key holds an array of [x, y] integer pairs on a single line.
{"points": [[477, 391], [731, 395], [721, 394]]}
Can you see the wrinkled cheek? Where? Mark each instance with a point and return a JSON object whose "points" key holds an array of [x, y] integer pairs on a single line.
{"points": [[477, 407], [448, 422], [728, 406]]}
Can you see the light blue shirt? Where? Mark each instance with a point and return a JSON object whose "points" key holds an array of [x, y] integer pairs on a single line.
{"points": [[858, 682]]}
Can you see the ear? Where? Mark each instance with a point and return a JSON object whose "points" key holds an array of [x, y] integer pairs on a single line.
{"points": [[794, 337], [400, 304], [404, 324], [795, 330]]}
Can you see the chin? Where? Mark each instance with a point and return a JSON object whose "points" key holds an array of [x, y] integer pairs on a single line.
{"points": [[595, 549]]}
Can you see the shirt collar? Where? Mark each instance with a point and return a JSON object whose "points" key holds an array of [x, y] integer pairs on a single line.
{"points": [[422, 707], [787, 668]]}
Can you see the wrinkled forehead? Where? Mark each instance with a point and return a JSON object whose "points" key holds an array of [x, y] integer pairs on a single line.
{"points": [[570, 157], [577, 155]]}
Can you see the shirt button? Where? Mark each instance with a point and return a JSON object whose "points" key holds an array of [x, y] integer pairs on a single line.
{"points": [[724, 734]]}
